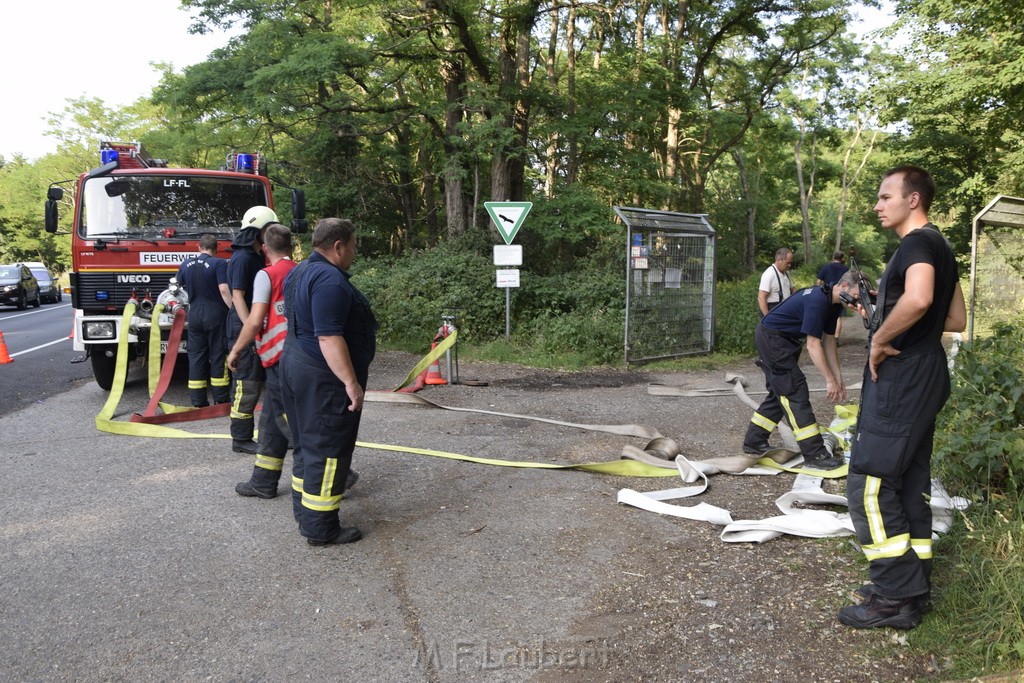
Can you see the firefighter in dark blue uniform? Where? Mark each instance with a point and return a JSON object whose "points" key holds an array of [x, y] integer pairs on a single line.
{"points": [[810, 314], [246, 261], [332, 338], [205, 278], [906, 383]]}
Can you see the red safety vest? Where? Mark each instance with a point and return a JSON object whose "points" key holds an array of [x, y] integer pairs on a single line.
{"points": [[270, 340]]}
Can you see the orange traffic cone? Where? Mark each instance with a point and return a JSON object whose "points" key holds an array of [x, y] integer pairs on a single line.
{"points": [[434, 371], [4, 356]]}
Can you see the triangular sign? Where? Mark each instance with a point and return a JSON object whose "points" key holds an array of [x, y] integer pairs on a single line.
{"points": [[508, 217]]}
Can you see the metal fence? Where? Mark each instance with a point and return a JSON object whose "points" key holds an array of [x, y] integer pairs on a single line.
{"points": [[996, 291], [670, 284]]}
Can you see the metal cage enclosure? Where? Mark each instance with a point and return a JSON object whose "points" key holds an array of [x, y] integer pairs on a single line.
{"points": [[670, 284]]}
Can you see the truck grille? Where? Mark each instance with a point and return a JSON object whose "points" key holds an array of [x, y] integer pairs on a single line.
{"points": [[102, 292]]}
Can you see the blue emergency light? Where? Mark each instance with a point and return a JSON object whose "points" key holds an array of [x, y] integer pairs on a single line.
{"points": [[245, 163], [108, 155]]}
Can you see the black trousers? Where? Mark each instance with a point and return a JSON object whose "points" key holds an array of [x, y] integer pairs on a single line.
{"points": [[248, 384], [788, 395], [207, 351], [890, 469], [324, 436], [273, 442]]}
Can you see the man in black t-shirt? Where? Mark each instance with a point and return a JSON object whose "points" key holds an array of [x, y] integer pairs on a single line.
{"points": [[906, 383], [246, 260]]}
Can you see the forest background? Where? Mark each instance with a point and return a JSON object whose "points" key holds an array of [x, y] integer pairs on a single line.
{"points": [[767, 115]]}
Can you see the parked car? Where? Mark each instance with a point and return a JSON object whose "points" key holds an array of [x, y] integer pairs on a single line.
{"points": [[49, 289], [18, 286]]}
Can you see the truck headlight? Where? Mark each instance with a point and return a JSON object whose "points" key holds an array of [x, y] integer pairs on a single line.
{"points": [[100, 329]]}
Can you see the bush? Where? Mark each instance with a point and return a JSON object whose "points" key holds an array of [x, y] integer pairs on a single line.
{"points": [[409, 294], [978, 446], [736, 315]]}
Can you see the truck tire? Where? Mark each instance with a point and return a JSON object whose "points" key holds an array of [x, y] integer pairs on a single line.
{"points": [[103, 366], [39, 300]]}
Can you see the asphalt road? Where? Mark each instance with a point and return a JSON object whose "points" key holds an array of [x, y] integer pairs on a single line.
{"points": [[37, 341]]}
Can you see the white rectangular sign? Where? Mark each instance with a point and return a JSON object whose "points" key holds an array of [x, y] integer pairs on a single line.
{"points": [[163, 258], [508, 254], [508, 277]]}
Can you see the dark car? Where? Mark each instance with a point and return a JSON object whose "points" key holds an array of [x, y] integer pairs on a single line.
{"points": [[49, 289], [18, 287]]}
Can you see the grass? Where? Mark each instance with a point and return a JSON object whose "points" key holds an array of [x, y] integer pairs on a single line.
{"points": [[978, 626], [502, 351]]}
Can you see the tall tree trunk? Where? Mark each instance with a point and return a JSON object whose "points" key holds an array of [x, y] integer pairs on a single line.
{"points": [[573, 162], [805, 186], [551, 163], [849, 182], [750, 199], [454, 75]]}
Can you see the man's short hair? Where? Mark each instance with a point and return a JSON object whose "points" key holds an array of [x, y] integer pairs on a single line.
{"points": [[278, 238], [783, 253], [850, 277], [208, 242], [916, 179], [331, 230], [838, 256]]}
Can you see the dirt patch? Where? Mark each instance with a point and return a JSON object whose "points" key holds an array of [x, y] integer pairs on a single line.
{"points": [[675, 603]]}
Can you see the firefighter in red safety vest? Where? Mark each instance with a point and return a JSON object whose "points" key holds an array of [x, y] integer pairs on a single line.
{"points": [[266, 325]]}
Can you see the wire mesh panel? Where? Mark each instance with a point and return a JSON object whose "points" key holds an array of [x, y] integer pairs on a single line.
{"points": [[670, 284], [997, 265], [999, 296]]}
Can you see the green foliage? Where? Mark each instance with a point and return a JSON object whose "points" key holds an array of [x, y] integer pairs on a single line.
{"points": [[979, 444], [409, 294], [980, 627], [736, 315], [575, 317]]}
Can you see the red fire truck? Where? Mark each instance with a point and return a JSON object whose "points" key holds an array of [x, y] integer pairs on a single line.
{"points": [[135, 220]]}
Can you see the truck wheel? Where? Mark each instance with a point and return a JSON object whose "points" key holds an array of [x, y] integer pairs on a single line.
{"points": [[39, 300], [103, 366]]}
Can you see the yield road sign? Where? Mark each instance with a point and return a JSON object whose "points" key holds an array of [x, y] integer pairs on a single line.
{"points": [[508, 217]]}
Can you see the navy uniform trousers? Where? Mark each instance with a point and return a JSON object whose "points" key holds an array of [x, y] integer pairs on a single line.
{"points": [[249, 379], [788, 395], [207, 351], [273, 443], [890, 469], [324, 435]]}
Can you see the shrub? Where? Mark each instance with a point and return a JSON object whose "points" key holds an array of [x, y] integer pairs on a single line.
{"points": [[736, 315], [979, 448]]}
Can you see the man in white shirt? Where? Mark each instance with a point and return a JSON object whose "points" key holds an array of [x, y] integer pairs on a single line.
{"points": [[775, 285]]}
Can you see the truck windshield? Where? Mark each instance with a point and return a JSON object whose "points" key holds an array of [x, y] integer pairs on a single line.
{"points": [[146, 206]]}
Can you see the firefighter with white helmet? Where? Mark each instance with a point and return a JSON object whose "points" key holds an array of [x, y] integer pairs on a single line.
{"points": [[246, 261]]}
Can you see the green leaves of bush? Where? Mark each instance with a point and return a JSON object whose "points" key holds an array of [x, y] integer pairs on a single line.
{"points": [[979, 447]]}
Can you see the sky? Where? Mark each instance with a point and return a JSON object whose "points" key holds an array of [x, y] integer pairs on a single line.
{"points": [[54, 50]]}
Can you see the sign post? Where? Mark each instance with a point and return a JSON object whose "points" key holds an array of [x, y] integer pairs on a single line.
{"points": [[508, 217]]}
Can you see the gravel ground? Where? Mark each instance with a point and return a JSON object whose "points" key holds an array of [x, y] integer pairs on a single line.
{"points": [[131, 558]]}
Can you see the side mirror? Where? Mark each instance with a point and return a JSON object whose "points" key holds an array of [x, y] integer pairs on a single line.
{"points": [[299, 222], [55, 194], [50, 222]]}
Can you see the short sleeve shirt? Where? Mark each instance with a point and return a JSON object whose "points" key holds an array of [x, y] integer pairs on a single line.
{"points": [[808, 313], [832, 271], [201, 276], [924, 245], [771, 278], [242, 269], [325, 304]]}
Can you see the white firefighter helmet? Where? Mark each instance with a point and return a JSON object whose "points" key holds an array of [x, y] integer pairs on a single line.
{"points": [[258, 216]]}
